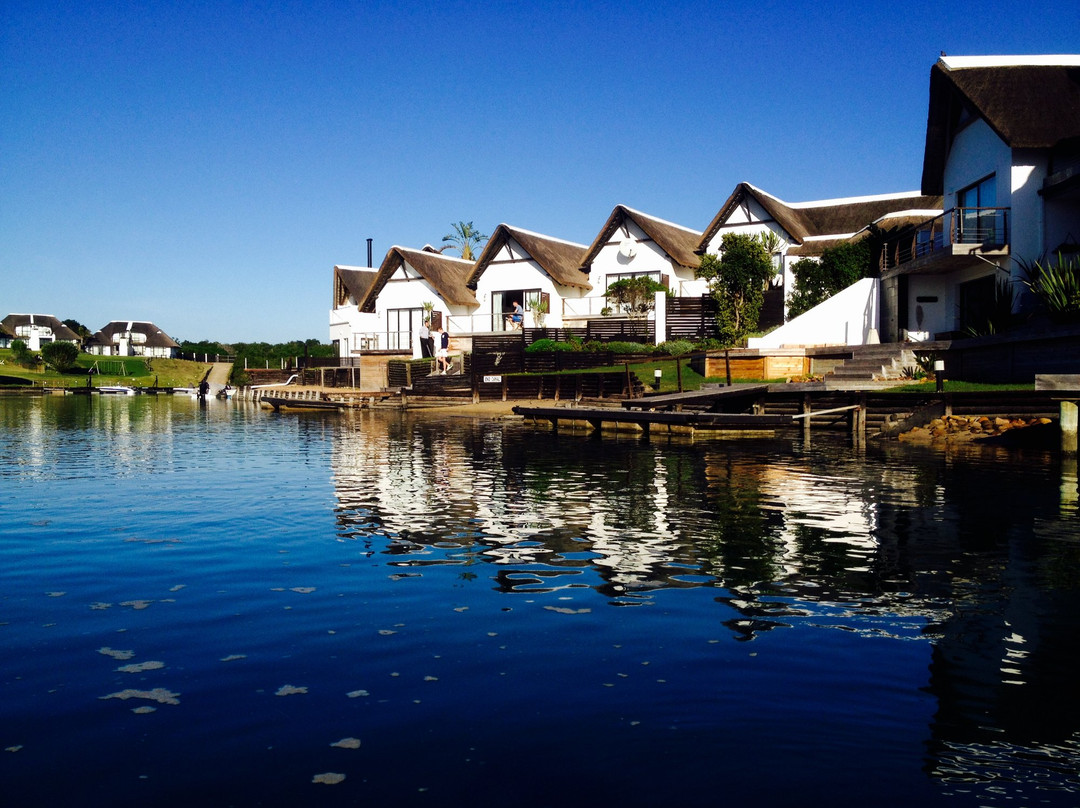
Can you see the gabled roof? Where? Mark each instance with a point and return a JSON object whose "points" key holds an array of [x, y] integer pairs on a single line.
{"points": [[812, 226], [60, 331], [1030, 102], [351, 282], [677, 241], [561, 260], [155, 337], [446, 275]]}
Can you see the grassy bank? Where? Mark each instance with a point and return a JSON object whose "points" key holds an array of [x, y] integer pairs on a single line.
{"points": [[131, 371]]}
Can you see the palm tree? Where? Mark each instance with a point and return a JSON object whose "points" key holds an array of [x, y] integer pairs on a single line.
{"points": [[465, 237]]}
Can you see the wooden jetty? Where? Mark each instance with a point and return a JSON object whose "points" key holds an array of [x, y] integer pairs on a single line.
{"points": [[744, 424]]}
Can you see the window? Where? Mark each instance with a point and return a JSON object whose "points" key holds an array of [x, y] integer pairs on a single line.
{"points": [[401, 324], [978, 222], [622, 276]]}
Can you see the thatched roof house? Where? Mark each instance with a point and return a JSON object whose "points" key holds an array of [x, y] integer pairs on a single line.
{"points": [[674, 240], [1029, 102], [810, 227], [132, 338], [445, 276], [351, 285], [561, 260], [37, 329]]}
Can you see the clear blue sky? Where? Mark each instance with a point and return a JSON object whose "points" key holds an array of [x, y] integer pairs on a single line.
{"points": [[204, 165]]}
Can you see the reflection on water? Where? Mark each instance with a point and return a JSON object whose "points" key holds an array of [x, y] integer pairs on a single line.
{"points": [[828, 609]]}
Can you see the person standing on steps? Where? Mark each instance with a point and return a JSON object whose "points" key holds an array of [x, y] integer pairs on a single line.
{"points": [[425, 339], [442, 351]]}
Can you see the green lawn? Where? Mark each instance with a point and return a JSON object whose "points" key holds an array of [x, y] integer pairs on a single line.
{"points": [[132, 371], [669, 379], [956, 387]]}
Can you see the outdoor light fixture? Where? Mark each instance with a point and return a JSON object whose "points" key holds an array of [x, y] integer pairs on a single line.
{"points": [[939, 374], [657, 375]]}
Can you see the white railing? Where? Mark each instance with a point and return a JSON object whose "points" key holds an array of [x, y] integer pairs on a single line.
{"points": [[477, 323], [583, 307]]}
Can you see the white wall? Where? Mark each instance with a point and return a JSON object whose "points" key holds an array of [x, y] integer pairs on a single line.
{"points": [[849, 317]]}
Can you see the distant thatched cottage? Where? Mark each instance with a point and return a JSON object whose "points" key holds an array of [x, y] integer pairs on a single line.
{"points": [[37, 330], [132, 338]]}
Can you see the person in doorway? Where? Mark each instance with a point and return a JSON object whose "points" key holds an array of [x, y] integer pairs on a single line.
{"points": [[425, 339], [442, 352], [518, 317]]}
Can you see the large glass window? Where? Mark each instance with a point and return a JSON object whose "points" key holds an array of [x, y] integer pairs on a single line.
{"points": [[979, 219], [401, 324], [622, 276]]}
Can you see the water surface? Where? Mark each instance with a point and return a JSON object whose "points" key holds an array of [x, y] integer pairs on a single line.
{"points": [[197, 603]]}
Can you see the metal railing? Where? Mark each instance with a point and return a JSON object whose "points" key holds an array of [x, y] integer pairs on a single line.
{"points": [[988, 227]]}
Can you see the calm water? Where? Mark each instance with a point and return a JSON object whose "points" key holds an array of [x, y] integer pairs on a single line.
{"points": [[197, 604]]}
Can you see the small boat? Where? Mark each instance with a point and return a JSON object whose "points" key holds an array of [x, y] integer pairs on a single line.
{"points": [[279, 404], [117, 389]]}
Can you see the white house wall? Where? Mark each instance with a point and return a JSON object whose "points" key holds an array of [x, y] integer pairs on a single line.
{"points": [[849, 317], [350, 327]]}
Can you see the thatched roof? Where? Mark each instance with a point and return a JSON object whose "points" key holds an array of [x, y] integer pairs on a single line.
{"points": [[351, 283], [155, 337], [60, 331], [1030, 102], [447, 276], [812, 226], [561, 260], [676, 241]]}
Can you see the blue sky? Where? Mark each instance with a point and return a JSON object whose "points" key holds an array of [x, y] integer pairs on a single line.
{"points": [[204, 165]]}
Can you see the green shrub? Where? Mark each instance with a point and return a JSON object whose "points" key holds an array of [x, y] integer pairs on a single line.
{"points": [[59, 355], [550, 346], [627, 348], [675, 347], [1057, 288]]}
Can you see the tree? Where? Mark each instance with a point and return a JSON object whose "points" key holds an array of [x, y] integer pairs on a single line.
{"points": [[635, 296], [59, 355], [737, 278], [21, 354], [78, 328], [465, 237], [839, 267]]}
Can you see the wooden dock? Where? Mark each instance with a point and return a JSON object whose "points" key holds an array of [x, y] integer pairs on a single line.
{"points": [[745, 424]]}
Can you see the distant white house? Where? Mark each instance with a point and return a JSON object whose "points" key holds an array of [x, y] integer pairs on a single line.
{"points": [[132, 338], [383, 310], [1003, 148], [520, 266], [38, 329]]}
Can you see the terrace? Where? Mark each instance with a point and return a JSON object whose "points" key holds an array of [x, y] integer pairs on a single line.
{"points": [[952, 240]]}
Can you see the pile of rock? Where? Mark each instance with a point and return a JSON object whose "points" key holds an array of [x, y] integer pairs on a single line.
{"points": [[956, 428]]}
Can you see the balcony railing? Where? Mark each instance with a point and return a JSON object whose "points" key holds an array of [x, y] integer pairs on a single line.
{"points": [[985, 227]]}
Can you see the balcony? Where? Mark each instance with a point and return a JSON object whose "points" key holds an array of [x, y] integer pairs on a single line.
{"points": [[956, 239]]}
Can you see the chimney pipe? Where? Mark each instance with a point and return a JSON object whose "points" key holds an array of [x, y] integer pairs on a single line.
{"points": [[369, 253]]}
